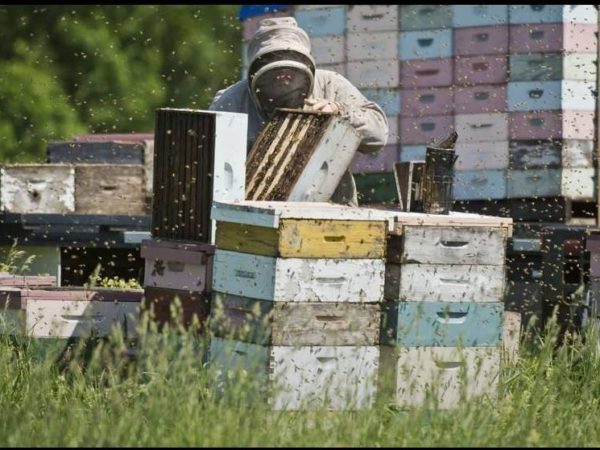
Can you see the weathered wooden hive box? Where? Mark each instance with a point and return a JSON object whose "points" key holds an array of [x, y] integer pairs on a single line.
{"points": [[37, 188], [146, 140], [73, 188], [106, 151], [444, 309], [59, 318], [110, 189], [177, 269], [300, 156], [297, 292]]}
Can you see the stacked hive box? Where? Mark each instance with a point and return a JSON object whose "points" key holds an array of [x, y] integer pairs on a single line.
{"points": [[77, 312], [297, 290], [426, 77], [13, 308], [144, 139], [519, 115], [374, 68], [443, 315], [111, 173], [179, 270], [480, 39], [37, 188], [199, 157], [326, 27], [553, 49], [66, 185], [102, 176]]}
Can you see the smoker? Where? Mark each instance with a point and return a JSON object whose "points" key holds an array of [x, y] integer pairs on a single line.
{"points": [[438, 176]]}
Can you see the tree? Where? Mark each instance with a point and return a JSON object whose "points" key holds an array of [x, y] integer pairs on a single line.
{"points": [[70, 69]]}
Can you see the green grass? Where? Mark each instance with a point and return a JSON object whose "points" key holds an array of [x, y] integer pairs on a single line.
{"points": [[167, 398], [15, 261]]}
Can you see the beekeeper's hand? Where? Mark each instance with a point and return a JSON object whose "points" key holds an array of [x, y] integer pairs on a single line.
{"points": [[327, 106]]}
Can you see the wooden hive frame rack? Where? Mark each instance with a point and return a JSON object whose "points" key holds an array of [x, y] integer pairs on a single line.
{"points": [[300, 156]]}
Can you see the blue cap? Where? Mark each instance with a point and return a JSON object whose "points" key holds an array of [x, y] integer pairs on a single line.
{"points": [[247, 11]]}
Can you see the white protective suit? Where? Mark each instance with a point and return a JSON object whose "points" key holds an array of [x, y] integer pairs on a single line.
{"points": [[283, 34]]}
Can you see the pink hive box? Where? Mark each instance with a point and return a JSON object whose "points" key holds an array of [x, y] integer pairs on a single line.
{"points": [[426, 72], [551, 125], [553, 37], [427, 101], [481, 40], [425, 130], [470, 70], [480, 99]]}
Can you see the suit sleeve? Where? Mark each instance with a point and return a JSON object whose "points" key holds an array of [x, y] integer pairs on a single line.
{"points": [[366, 116]]}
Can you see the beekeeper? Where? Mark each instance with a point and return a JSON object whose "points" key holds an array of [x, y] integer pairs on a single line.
{"points": [[282, 74]]}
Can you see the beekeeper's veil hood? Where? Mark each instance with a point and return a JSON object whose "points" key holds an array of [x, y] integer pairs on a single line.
{"points": [[281, 71]]}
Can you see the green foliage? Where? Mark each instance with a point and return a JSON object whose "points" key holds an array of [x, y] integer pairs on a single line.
{"points": [[33, 111], [15, 261], [96, 280], [67, 69], [116, 282]]}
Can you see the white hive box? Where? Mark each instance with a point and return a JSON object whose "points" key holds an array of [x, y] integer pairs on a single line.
{"points": [[449, 374], [299, 279], [270, 214], [37, 188], [306, 377]]}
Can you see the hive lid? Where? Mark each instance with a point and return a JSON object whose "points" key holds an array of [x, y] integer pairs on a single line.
{"points": [[268, 213], [453, 219]]}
